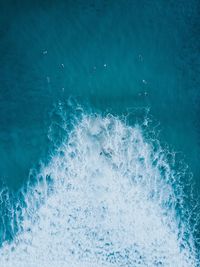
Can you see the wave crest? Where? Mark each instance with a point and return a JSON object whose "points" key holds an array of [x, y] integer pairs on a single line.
{"points": [[108, 197]]}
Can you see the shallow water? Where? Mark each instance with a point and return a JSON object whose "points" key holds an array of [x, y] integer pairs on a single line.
{"points": [[138, 59]]}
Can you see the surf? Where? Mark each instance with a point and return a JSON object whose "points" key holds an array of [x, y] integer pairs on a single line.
{"points": [[109, 196]]}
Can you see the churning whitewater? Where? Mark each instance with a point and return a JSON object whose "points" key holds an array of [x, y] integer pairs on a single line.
{"points": [[107, 198]]}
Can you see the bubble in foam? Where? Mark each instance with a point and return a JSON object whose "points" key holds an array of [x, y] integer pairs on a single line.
{"points": [[106, 198]]}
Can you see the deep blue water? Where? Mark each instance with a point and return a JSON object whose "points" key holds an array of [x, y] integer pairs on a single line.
{"points": [[134, 58]]}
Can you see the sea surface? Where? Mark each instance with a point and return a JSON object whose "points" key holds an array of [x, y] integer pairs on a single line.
{"points": [[99, 133]]}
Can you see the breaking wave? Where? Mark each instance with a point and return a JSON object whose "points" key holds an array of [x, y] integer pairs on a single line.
{"points": [[108, 197]]}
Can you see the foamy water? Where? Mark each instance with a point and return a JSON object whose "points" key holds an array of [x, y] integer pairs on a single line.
{"points": [[107, 198]]}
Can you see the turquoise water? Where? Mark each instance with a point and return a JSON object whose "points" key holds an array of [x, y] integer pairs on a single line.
{"points": [[61, 63]]}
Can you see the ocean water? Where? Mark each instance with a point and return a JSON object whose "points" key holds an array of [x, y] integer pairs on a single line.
{"points": [[99, 133]]}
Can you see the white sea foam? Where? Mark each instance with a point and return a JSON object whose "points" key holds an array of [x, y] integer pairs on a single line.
{"points": [[105, 199]]}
